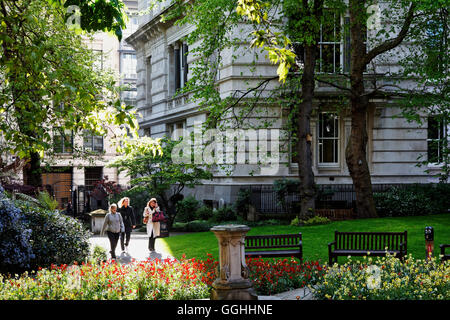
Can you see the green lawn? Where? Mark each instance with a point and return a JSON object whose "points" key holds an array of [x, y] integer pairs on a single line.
{"points": [[316, 238]]}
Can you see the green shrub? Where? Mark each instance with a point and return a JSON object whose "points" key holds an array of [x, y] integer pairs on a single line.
{"points": [[179, 226], [192, 226], [198, 226], [99, 254], [316, 220], [16, 251], [55, 237], [204, 213], [295, 222], [242, 203], [224, 214], [47, 201], [186, 209], [413, 200], [283, 187]]}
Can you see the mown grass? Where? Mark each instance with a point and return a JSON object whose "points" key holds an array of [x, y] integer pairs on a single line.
{"points": [[316, 238]]}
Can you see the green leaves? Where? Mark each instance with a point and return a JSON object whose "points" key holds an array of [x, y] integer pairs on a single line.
{"points": [[50, 78], [149, 161], [276, 44], [98, 15]]}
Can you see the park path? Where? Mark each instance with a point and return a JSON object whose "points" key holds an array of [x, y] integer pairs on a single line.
{"points": [[138, 249]]}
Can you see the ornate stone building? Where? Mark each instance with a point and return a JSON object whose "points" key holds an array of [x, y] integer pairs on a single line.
{"points": [[163, 61]]}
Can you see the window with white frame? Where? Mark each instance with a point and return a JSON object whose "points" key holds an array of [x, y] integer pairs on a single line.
{"points": [[330, 43], [128, 65], [328, 139], [437, 139], [176, 129], [180, 53], [62, 141], [129, 96], [92, 142]]}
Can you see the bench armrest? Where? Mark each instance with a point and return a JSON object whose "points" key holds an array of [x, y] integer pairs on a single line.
{"points": [[331, 244], [403, 248]]}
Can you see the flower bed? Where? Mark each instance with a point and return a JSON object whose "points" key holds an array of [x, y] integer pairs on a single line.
{"points": [[386, 278], [271, 276], [151, 280]]}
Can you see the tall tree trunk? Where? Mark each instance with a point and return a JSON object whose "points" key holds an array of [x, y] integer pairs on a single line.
{"points": [[32, 170], [356, 150], [306, 175]]}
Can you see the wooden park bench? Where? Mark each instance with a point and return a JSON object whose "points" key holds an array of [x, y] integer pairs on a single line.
{"points": [[280, 245], [360, 243], [444, 256]]}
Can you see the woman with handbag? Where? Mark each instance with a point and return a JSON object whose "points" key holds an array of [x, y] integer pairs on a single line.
{"points": [[152, 216]]}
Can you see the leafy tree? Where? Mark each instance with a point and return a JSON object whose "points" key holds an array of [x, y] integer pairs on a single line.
{"points": [[401, 15], [48, 82], [155, 170], [99, 15], [106, 189]]}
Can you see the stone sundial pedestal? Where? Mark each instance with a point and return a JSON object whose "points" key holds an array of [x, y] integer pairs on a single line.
{"points": [[233, 282]]}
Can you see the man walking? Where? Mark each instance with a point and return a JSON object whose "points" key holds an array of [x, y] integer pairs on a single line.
{"points": [[129, 220]]}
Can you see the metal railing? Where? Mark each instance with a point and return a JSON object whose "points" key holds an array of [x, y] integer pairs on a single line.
{"points": [[334, 196]]}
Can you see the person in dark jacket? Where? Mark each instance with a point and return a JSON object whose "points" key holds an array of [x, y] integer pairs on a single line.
{"points": [[129, 220]]}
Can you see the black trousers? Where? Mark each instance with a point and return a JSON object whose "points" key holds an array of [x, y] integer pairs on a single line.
{"points": [[113, 239], [125, 238], [151, 242]]}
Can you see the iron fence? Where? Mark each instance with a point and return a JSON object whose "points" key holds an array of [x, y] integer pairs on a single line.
{"points": [[265, 200]]}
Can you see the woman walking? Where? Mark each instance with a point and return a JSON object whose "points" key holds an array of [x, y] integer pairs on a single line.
{"points": [[113, 225], [152, 227], [127, 213]]}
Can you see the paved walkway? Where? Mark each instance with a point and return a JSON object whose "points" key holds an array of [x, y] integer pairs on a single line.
{"points": [[138, 250]]}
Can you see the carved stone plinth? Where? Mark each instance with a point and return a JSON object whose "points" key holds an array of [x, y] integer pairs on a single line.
{"points": [[233, 282]]}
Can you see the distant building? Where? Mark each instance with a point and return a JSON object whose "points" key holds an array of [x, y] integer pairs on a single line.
{"points": [[72, 179]]}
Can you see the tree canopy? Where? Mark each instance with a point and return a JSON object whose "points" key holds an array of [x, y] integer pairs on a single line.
{"points": [[50, 81]]}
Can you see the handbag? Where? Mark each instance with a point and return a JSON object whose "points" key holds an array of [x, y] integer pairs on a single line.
{"points": [[145, 220], [158, 216], [163, 230]]}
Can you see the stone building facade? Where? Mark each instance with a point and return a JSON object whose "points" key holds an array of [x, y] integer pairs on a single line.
{"points": [[72, 179], [163, 60]]}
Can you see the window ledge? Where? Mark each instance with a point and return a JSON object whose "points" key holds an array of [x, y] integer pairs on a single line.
{"points": [[329, 167]]}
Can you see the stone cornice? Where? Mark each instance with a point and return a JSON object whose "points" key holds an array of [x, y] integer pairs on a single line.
{"points": [[151, 30]]}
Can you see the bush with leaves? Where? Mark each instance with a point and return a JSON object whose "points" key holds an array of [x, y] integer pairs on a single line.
{"points": [[204, 213], [242, 203], [55, 237], [186, 209], [224, 214], [15, 246], [413, 200], [99, 254]]}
